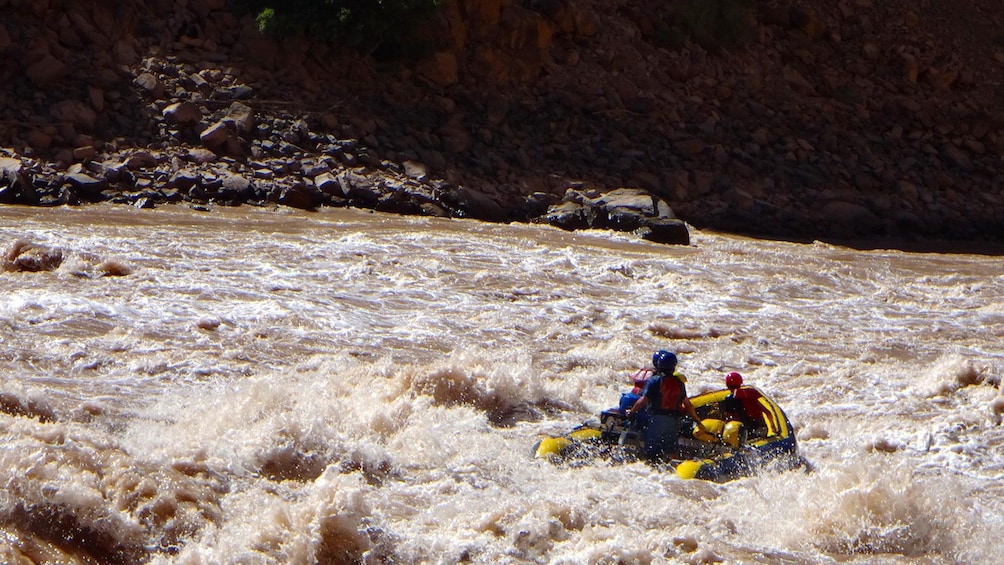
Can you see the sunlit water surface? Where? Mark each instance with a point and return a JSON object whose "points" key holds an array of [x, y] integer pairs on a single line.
{"points": [[271, 386]]}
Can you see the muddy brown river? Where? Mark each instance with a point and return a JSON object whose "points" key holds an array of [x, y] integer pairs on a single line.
{"points": [[274, 386]]}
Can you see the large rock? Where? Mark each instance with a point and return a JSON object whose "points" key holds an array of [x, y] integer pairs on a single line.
{"points": [[242, 117], [300, 196], [359, 188], [86, 185], [473, 204], [13, 180], [47, 71], [27, 257], [11, 171], [222, 138], [183, 114], [622, 209]]}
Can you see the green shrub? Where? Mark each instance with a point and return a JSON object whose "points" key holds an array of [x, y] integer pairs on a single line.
{"points": [[370, 25]]}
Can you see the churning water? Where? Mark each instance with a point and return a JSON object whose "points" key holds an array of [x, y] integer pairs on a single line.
{"points": [[273, 386]]}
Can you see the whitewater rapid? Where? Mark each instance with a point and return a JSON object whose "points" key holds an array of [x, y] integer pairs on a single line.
{"points": [[275, 386]]}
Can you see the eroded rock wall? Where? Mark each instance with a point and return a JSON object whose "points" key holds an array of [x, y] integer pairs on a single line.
{"points": [[811, 119]]}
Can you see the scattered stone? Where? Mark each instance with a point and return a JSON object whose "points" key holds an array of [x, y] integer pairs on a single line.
{"points": [[139, 160], [849, 219], [217, 135], [183, 114], [242, 117], [416, 170], [957, 157], [11, 172], [149, 83], [359, 188], [201, 156], [84, 153]]}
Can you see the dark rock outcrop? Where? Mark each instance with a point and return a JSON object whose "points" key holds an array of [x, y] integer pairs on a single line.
{"points": [[801, 118], [628, 210]]}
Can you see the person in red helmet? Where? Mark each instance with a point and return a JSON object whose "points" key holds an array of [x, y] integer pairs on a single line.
{"points": [[733, 380], [743, 405]]}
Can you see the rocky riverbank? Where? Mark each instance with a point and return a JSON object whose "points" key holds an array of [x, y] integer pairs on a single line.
{"points": [[805, 119]]}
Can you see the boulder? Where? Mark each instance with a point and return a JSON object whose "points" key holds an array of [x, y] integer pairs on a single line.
{"points": [[469, 203], [11, 171], [360, 188], [242, 117], [300, 196], [623, 209], [327, 183], [13, 180], [86, 185], [183, 114], [151, 84], [23, 256], [222, 138], [665, 230], [47, 71]]}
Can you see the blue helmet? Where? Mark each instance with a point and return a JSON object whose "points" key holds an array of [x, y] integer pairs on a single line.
{"points": [[664, 361]]}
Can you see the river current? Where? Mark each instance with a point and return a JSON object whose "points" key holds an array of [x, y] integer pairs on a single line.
{"points": [[264, 386]]}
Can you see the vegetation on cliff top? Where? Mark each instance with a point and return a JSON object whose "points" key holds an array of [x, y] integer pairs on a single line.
{"points": [[384, 27], [373, 26]]}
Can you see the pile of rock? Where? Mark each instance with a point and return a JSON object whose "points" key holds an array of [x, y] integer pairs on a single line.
{"points": [[846, 119]]}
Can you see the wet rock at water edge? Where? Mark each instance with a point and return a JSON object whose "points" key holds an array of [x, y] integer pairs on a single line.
{"points": [[623, 209], [472, 204], [13, 180], [86, 185]]}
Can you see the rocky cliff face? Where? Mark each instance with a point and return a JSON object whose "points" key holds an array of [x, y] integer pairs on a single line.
{"points": [[802, 118]]}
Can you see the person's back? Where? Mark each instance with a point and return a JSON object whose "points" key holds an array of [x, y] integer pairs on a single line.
{"points": [[665, 396], [751, 412], [666, 392]]}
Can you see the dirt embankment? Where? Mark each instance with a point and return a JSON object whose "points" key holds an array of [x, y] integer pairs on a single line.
{"points": [[810, 119]]}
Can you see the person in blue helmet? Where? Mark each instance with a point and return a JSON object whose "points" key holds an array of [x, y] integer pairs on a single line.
{"points": [[665, 395]]}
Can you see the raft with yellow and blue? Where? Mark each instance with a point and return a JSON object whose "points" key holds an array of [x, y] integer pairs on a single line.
{"points": [[734, 448]]}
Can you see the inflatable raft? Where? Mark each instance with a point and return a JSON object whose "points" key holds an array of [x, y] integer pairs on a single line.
{"points": [[748, 435]]}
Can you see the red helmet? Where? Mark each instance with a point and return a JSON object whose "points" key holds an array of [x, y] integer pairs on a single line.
{"points": [[733, 380]]}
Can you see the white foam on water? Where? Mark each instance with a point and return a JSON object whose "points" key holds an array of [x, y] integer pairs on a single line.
{"points": [[272, 387]]}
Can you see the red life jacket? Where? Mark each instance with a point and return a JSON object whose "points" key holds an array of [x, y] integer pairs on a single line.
{"points": [[672, 391], [748, 401]]}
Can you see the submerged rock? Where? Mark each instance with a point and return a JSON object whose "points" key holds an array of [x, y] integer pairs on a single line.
{"points": [[28, 257]]}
